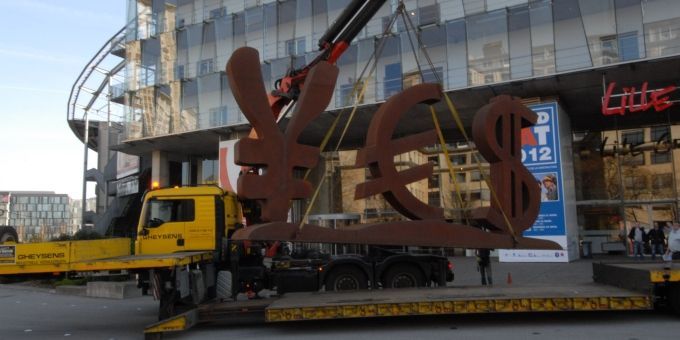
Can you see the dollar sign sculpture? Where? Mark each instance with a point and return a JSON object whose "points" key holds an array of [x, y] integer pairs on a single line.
{"points": [[496, 130]]}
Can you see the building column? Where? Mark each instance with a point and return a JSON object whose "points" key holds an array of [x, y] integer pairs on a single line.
{"points": [[159, 168]]}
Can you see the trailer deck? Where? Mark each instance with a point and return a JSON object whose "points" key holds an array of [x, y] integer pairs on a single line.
{"points": [[454, 300], [87, 256], [411, 302], [596, 296]]}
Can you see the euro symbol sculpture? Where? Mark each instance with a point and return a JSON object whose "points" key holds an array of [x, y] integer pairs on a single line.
{"points": [[380, 150]]}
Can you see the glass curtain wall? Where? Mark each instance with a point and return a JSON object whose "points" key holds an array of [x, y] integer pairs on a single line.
{"points": [[181, 47], [626, 176]]}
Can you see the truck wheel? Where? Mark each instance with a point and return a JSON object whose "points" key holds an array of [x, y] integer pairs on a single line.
{"points": [[8, 234], [403, 276], [346, 278], [224, 285], [168, 302]]}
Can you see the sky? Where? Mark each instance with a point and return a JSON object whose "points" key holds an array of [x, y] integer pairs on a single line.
{"points": [[44, 45]]}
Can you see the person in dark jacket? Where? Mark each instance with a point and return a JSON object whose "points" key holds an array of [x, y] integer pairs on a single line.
{"points": [[638, 236], [484, 265], [658, 240]]}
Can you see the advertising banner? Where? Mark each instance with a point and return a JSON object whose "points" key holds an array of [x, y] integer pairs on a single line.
{"points": [[8, 254], [541, 154], [126, 165]]}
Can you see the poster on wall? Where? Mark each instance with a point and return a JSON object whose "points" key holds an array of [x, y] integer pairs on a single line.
{"points": [[541, 154], [228, 171], [126, 165]]}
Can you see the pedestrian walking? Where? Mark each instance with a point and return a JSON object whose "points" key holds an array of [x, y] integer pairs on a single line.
{"points": [[484, 266], [658, 240], [638, 236]]}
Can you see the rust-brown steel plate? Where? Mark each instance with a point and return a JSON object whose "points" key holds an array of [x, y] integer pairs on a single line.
{"points": [[427, 233]]}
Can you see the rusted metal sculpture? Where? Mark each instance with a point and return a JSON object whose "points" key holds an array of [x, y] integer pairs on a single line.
{"points": [[275, 152], [496, 132], [380, 150]]}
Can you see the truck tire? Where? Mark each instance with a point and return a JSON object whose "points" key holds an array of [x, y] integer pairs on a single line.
{"points": [[403, 276], [224, 285], [167, 306], [8, 234], [346, 278]]}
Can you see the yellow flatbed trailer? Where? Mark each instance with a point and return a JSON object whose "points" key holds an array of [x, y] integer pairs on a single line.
{"points": [[435, 301], [86, 256]]}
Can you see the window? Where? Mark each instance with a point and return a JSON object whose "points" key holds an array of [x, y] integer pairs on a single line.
{"points": [[433, 199], [295, 46], [431, 75], [345, 96], [163, 211], [660, 133], [661, 157], [254, 19], [218, 116], [434, 160], [392, 79], [460, 177], [386, 22], [633, 137], [217, 13], [475, 176], [662, 181], [428, 15], [205, 66], [635, 182], [628, 46], [433, 181], [459, 159], [609, 48]]}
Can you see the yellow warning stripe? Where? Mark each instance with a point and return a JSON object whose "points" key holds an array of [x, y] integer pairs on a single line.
{"points": [[460, 307]]}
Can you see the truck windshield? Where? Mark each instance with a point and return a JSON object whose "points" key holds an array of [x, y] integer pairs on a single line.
{"points": [[163, 211]]}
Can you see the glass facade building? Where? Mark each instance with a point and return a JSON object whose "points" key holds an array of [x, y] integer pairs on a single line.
{"points": [[176, 51], [39, 216], [624, 165]]}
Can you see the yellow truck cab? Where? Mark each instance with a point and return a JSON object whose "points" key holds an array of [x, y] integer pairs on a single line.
{"points": [[186, 219]]}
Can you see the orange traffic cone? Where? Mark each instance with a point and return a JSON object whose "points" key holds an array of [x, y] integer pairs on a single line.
{"points": [[509, 280]]}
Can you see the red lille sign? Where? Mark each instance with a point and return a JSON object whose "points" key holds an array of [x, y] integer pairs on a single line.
{"points": [[637, 101]]}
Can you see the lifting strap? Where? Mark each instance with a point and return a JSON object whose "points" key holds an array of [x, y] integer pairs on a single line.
{"points": [[357, 94], [456, 117]]}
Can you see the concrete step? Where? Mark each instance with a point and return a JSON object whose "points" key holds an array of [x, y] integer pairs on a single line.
{"points": [[113, 290], [71, 290]]}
